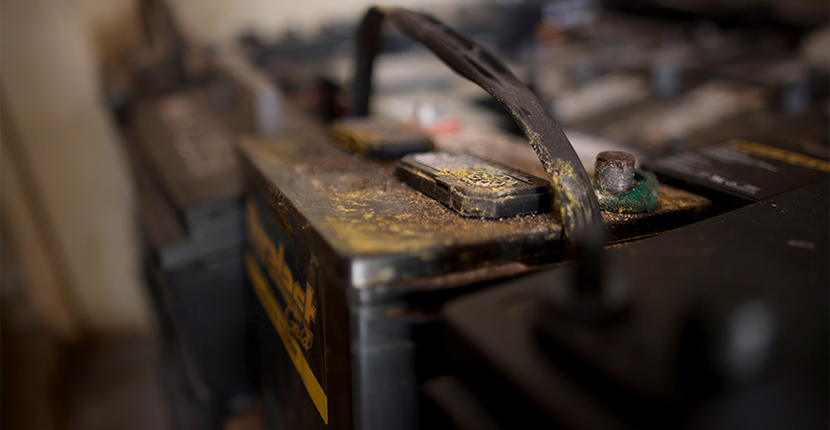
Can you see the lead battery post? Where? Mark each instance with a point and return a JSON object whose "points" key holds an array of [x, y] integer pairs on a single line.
{"points": [[622, 188]]}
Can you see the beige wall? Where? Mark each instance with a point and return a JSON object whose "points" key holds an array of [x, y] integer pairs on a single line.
{"points": [[66, 196], [67, 200]]}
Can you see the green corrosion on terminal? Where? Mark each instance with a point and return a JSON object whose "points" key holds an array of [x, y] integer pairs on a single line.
{"points": [[642, 197]]}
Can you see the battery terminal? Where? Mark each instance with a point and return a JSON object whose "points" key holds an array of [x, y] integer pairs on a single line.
{"points": [[622, 188]]}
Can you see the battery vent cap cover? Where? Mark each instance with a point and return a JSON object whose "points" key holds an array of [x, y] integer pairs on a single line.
{"points": [[473, 186], [378, 137]]}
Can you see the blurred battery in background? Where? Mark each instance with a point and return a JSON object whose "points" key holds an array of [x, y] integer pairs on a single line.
{"points": [[181, 144]]}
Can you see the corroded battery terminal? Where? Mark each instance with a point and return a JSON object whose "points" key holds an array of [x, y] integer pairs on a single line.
{"points": [[377, 137], [622, 188], [474, 187]]}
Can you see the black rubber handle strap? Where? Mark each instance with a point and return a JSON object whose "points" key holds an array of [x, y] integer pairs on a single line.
{"points": [[569, 180]]}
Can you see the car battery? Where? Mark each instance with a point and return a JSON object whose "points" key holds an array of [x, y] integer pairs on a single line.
{"points": [[206, 346], [190, 192], [351, 257], [644, 57], [666, 125], [752, 280], [754, 165], [792, 85], [196, 169]]}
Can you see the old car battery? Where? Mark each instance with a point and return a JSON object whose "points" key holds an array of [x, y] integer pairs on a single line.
{"points": [[350, 265], [753, 166], [663, 125], [752, 280], [792, 84], [189, 148], [191, 214]]}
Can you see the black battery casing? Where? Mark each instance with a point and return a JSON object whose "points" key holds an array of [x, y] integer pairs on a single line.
{"points": [[188, 148], [350, 267], [190, 211], [751, 166]]}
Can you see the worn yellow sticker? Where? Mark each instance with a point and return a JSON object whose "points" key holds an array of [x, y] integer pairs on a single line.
{"points": [[779, 154], [292, 347]]}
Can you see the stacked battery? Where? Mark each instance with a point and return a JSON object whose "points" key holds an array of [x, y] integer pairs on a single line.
{"points": [[192, 220]]}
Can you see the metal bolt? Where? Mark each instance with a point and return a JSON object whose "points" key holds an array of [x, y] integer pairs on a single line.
{"points": [[614, 171]]}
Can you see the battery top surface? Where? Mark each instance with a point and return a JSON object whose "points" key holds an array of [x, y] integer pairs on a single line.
{"points": [[370, 227], [189, 148]]}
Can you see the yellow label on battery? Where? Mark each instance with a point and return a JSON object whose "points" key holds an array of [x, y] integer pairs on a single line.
{"points": [[779, 154], [292, 347]]}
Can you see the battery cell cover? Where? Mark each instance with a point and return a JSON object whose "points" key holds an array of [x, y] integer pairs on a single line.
{"points": [[474, 187], [377, 137]]}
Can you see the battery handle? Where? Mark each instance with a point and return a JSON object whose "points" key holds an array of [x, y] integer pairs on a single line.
{"points": [[571, 185]]}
